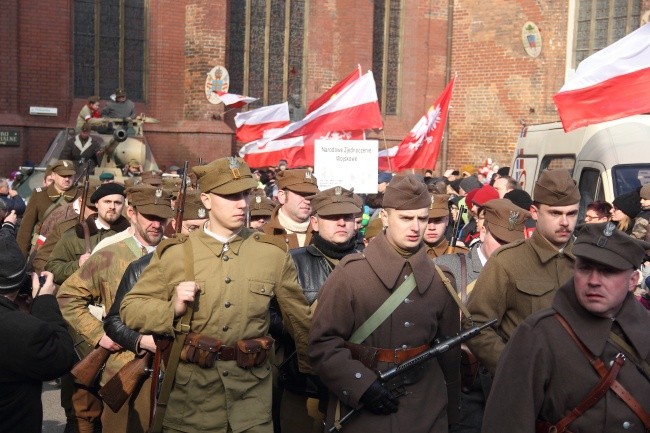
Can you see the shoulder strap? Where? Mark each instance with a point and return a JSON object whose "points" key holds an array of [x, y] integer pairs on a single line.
{"points": [[463, 277], [600, 368], [182, 329], [453, 294], [385, 310], [631, 353]]}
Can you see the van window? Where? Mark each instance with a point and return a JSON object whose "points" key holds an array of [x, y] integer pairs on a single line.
{"points": [[591, 189], [629, 177], [555, 162]]}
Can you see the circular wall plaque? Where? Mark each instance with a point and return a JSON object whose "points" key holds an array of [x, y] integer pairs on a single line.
{"points": [[532, 39], [217, 81]]}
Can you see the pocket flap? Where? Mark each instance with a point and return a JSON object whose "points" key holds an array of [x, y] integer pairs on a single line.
{"points": [[264, 288], [534, 287]]}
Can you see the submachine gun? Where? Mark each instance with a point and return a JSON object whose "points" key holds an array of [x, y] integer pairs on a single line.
{"points": [[395, 378], [456, 231]]}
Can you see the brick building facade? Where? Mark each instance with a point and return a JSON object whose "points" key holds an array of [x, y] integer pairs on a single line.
{"points": [[499, 86]]}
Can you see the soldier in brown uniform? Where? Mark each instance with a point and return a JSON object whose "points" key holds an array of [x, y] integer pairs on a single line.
{"points": [[229, 273], [45, 200], [290, 220], [557, 372], [94, 285], [434, 236], [522, 277], [358, 287], [260, 209]]}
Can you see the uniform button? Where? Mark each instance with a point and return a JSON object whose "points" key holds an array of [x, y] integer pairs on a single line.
{"points": [[345, 392], [408, 300], [404, 347], [626, 425], [227, 304], [357, 375], [263, 290], [227, 280], [408, 324], [225, 258], [225, 373], [225, 328]]}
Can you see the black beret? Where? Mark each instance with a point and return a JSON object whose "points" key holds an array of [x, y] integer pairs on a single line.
{"points": [[106, 189]]}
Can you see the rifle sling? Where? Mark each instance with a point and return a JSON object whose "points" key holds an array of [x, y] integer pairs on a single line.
{"points": [[182, 329], [86, 229], [454, 294], [600, 368]]}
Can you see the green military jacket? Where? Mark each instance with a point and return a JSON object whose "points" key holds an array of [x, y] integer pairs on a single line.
{"points": [[41, 203], [237, 283], [518, 280], [64, 259], [95, 283]]}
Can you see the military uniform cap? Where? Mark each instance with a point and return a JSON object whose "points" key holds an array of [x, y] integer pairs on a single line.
{"points": [[120, 92], [152, 177], [334, 201], [106, 176], [106, 189], [439, 206], [260, 205], [603, 243], [194, 209], [505, 220], [298, 180], [63, 167], [85, 127], [406, 192], [149, 200], [644, 192], [374, 227], [556, 188], [225, 176]]}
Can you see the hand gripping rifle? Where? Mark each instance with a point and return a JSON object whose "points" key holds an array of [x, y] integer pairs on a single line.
{"points": [[455, 233], [394, 379]]}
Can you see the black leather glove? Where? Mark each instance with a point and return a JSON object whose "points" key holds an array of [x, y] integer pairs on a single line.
{"points": [[379, 400]]}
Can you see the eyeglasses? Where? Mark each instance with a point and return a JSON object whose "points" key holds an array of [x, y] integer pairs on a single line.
{"points": [[592, 217]]}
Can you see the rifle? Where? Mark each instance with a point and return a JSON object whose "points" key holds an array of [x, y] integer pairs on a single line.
{"points": [[86, 370], [82, 206], [121, 386], [180, 200], [394, 379], [456, 231]]}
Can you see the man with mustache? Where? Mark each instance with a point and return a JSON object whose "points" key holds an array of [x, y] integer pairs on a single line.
{"points": [[94, 285], [522, 277]]}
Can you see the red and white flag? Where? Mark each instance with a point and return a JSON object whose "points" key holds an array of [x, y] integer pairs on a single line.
{"points": [[335, 89], [354, 109], [610, 84], [421, 146], [252, 124], [234, 100], [385, 157]]}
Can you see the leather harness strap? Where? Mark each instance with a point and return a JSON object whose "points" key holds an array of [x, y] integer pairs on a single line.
{"points": [[602, 371]]}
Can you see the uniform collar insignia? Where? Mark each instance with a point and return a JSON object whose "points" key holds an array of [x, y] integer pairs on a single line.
{"points": [[512, 220], [233, 164], [308, 175], [65, 164], [201, 213]]}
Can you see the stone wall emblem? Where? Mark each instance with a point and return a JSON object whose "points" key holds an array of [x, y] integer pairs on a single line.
{"points": [[532, 39]]}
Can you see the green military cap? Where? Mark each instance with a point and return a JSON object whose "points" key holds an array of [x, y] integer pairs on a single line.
{"points": [[149, 200], [374, 227], [505, 220], [194, 209], [439, 206], [406, 192], [297, 180], [260, 205], [106, 176], [604, 243], [556, 188], [334, 201], [63, 167], [225, 176]]}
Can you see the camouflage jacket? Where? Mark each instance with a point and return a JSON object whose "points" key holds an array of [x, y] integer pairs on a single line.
{"points": [[95, 283], [640, 229]]}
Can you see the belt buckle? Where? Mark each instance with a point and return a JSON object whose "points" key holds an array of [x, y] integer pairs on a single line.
{"points": [[395, 355]]}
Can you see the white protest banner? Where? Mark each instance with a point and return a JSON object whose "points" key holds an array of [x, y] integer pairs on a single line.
{"points": [[347, 163]]}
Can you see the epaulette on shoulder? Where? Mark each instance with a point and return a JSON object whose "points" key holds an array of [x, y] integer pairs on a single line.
{"points": [[38, 189], [351, 258], [166, 243], [509, 246], [270, 239]]}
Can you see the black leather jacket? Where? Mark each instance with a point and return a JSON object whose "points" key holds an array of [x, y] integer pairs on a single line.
{"points": [[113, 325]]}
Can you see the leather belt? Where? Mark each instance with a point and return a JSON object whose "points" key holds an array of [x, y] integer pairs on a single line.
{"points": [[397, 356], [227, 353]]}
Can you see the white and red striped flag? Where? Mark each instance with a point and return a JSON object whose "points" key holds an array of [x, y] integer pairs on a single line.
{"points": [[335, 89], [234, 100], [252, 124], [384, 156], [610, 84], [421, 146], [354, 109]]}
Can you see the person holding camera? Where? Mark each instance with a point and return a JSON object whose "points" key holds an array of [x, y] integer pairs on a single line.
{"points": [[10, 199], [41, 348]]}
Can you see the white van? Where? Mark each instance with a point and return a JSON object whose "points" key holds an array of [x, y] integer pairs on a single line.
{"points": [[607, 159]]}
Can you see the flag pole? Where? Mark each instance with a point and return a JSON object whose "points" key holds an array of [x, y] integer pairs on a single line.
{"points": [[383, 134]]}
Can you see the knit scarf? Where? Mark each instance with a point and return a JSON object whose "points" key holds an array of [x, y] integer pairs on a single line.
{"points": [[300, 229], [331, 250]]}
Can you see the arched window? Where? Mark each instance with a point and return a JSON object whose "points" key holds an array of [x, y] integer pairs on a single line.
{"points": [[386, 52], [109, 47]]}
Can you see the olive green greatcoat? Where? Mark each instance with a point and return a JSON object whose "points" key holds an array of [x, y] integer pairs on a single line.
{"points": [[236, 287], [41, 203], [518, 280], [543, 374], [96, 283]]}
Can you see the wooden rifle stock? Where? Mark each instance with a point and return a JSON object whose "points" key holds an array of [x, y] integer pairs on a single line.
{"points": [[82, 207], [180, 200], [121, 386], [86, 370]]}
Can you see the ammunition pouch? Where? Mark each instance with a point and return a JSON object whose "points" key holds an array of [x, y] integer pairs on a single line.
{"points": [[200, 350], [253, 352]]}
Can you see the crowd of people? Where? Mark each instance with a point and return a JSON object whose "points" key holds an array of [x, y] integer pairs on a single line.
{"points": [[276, 303]]}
